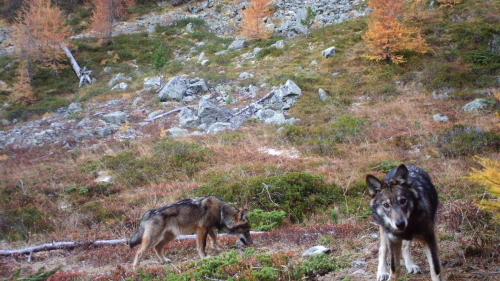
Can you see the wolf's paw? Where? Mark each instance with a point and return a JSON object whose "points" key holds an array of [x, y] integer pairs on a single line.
{"points": [[383, 276], [413, 269]]}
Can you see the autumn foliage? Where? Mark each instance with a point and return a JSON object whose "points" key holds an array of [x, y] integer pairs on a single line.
{"points": [[105, 12], [23, 92], [253, 19], [39, 31], [387, 36]]}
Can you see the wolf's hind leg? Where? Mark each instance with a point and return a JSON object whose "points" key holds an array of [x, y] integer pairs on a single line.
{"points": [[431, 251], [410, 265], [160, 247], [145, 245]]}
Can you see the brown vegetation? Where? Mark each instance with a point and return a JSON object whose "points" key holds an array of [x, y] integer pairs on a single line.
{"points": [[387, 37], [253, 20]]}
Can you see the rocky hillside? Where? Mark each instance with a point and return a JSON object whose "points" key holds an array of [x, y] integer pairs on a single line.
{"points": [[183, 106]]}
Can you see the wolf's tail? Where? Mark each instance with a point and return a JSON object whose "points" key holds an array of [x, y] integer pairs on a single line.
{"points": [[136, 238]]}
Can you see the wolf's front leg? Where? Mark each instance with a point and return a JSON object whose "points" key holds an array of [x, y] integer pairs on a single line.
{"points": [[382, 271], [201, 241], [395, 250], [410, 265], [213, 235]]}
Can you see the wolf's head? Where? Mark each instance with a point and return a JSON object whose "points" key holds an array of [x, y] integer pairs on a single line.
{"points": [[236, 221], [393, 201]]}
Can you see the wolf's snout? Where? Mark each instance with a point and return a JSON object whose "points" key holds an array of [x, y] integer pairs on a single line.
{"points": [[401, 225]]}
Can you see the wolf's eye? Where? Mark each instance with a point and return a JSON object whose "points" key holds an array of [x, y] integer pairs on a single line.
{"points": [[403, 201], [386, 205]]}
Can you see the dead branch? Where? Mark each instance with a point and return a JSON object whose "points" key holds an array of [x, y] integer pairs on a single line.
{"points": [[69, 245], [164, 114]]}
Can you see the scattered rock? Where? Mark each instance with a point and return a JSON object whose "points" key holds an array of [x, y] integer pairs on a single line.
{"points": [[188, 118], [323, 95], [330, 52], [443, 94], [478, 105], [189, 28], [179, 87], [122, 86], [219, 127], [116, 118], [118, 78], [3, 86], [153, 83], [246, 76], [176, 132], [286, 96], [316, 251], [104, 177], [440, 118], [279, 44], [209, 112], [271, 117], [238, 44], [74, 108]]}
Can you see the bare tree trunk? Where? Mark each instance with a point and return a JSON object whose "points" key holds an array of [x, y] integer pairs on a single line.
{"points": [[83, 74], [68, 245]]}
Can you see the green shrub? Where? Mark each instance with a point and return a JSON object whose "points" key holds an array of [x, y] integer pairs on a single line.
{"points": [[267, 273], [322, 139], [271, 51], [317, 265], [161, 56], [169, 159], [266, 221], [215, 267], [297, 194], [20, 223], [461, 140], [385, 166]]}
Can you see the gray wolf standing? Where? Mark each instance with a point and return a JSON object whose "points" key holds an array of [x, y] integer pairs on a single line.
{"points": [[404, 206], [203, 216]]}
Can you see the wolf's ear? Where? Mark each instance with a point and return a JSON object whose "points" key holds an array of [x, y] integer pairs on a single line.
{"points": [[374, 185], [401, 174], [244, 214]]}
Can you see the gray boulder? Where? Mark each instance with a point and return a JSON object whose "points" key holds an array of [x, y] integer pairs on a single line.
{"points": [[238, 44], [323, 95], [153, 83], [118, 78], [478, 105], [440, 118], [188, 118], [271, 117], [219, 127], [176, 132], [246, 75], [330, 52], [122, 86], [104, 177], [209, 112], [316, 251], [286, 96], [74, 108], [181, 86], [116, 118], [279, 44]]}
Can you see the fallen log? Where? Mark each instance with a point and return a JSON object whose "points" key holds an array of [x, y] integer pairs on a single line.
{"points": [[70, 245], [164, 114]]}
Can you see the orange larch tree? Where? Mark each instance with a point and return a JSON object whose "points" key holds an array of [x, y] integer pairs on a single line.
{"points": [[105, 12], [253, 20], [39, 31], [387, 37]]}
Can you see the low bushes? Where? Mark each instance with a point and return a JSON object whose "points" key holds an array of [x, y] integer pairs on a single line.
{"points": [[297, 194]]}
